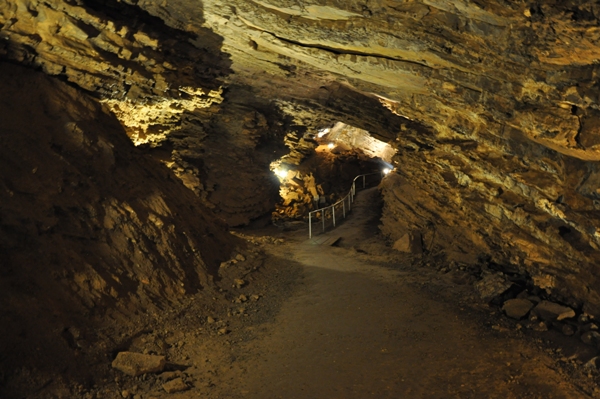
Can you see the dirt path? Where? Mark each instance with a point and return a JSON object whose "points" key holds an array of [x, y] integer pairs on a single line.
{"points": [[358, 329]]}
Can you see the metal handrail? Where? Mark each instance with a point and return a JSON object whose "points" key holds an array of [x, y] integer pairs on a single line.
{"points": [[349, 197]]}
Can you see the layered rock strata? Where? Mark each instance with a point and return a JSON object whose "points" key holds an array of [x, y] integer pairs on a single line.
{"points": [[492, 106], [92, 230]]}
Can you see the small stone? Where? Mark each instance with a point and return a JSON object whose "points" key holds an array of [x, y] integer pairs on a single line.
{"points": [[541, 326], [169, 375], [176, 385], [224, 265], [589, 327], [517, 308], [549, 311], [591, 365], [210, 320], [568, 330], [135, 364], [239, 283], [590, 337], [243, 298], [240, 258], [583, 318], [125, 394], [255, 297], [223, 331]]}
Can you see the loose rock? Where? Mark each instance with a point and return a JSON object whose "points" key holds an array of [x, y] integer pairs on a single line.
{"points": [[549, 311], [238, 283], [590, 338], [591, 365], [135, 364], [517, 308], [492, 286], [176, 385], [223, 331]]}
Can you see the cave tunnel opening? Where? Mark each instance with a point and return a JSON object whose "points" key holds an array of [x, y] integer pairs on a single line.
{"points": [[322, 174]]}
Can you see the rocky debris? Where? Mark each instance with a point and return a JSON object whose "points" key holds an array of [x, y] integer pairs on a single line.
{"points": [[238, 283], [591, 366], [492, 285], [176, 385], [568, 330], [550, 311], [210, 320], [223, 331], [517, 308], [135, 364], [260, 240], [318, 181], [169, 375], [591, 338], [409, 243]]}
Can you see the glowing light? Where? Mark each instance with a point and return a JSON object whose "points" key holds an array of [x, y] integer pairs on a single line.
{"points": [[386, 171], [323, 132], [281, 173], [330, 145]]}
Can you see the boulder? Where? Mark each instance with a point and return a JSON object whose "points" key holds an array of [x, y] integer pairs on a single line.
{"points": [[517, 308], [409, 243], [550, 311], [135, 364], [491, 286]]}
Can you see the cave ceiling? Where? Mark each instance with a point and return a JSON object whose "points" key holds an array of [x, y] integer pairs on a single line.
{"points": [[493, 106]]}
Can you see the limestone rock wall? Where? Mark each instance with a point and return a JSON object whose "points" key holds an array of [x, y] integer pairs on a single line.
{"points": [[90, 226], [493, 106]]}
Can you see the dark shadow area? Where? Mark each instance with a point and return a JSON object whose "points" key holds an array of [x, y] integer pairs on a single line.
{"points": [[92, 232]]}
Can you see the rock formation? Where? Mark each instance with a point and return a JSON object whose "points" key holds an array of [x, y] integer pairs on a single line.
{"points": [[492, 107]]}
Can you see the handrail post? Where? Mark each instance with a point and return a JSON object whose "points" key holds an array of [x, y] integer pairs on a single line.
{"points": [[344, 207], [333, 213], [364, 184], [323, 218], [309, 225]]}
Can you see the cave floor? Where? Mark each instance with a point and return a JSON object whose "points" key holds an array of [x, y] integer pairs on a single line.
{"points": [[359, 322]]}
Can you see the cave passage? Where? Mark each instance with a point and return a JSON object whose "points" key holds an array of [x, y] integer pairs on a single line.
{"points": [[159, 160]]}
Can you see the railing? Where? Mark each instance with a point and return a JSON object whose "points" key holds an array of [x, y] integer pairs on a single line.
{"points": [[349, 198]]}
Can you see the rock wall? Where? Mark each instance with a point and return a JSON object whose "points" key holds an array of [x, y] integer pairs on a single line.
{"points": [[91, 228], [492, 106]]}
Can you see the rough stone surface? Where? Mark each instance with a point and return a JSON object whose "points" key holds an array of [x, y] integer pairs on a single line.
{"points": [[491, 286], [135, 364], [176, 385], [591, 338], [492, 108], [549, 311], [517, 308], [409, 243]]}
